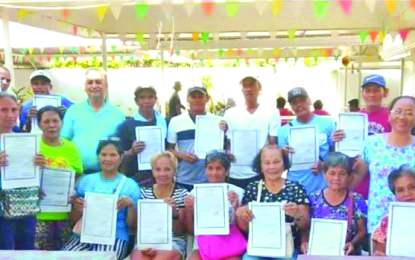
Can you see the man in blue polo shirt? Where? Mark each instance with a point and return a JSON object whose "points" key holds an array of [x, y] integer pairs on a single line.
{"points": [[41, 83], [312, 179], [88, 122]]}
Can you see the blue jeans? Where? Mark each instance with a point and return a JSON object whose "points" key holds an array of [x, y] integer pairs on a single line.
{"points": [[17, 234], [248, 257]]}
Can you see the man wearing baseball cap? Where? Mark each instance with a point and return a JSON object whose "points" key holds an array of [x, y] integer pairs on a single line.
{"points": [[312, 179], [373, 92], [251, 116], [181, 132], [41, 83]]}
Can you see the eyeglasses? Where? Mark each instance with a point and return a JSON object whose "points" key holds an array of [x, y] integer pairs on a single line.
{"points": [[399, 112]]}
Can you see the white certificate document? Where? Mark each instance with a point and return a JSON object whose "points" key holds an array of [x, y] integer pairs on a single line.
{"points": [[355, 127], [41, 101], [208, 135], [99, 219], [245, 145], [267, 230], [304, 140], [400, 239], [57, 186], [211, 209], [152, 136], [155, 225], [20, 170], [327, 237]]}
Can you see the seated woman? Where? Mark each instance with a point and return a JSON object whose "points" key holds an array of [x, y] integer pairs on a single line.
{"points": [[107, 181], [217, 165], [337, 202], [54, 229], [402, 185], [270, 163], [164, 167]]}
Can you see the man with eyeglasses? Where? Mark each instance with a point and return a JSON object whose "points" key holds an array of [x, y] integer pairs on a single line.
{"points": [[41, 83], [88, 122]]}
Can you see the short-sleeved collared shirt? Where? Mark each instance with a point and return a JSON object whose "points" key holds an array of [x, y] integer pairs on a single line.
{"points": [[85, 127]]}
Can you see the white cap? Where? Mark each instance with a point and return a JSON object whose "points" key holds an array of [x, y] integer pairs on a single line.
{"points": [[42, 73]]}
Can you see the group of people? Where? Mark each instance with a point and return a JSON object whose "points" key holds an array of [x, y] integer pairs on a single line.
{"points": [[96, 140]]}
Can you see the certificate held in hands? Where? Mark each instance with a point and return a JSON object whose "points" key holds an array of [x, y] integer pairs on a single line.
{"points": [[327, 237], [211, 211], [152, 136], [99, 219], [401, 229], [208, 135], [21, 170], [267, 236], [245, 146], [355, 127], [155, 227], [304, 141], [57, 186], [41, 101]]}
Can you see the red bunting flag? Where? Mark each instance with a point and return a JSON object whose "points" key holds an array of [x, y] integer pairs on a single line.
{"points": [[66, 13], [404, 34], [373, 35], [208, 7]]}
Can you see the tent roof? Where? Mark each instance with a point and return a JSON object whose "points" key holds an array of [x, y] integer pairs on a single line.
{"points": [[247, 29]]}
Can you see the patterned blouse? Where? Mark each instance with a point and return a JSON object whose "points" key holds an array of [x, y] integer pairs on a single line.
{"points": [[320, 208], [382, 158], [291, 192]]}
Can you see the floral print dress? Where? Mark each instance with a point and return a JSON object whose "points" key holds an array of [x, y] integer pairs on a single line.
{"points": [[382, 158]]}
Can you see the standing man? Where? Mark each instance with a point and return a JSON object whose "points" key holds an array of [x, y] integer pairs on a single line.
{"points": [[41, 83], [175, 105], [251, 116], [88, 122], [283, 111], [373, 92], [318, 108], [181, 132], [5, 78], [312, 179], [354, 105]]}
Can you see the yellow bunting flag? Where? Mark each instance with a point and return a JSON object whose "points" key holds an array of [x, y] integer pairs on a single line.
{"points": [[22, 14], [232, 8], [195, 36], [61, 49], [291, 35], [139, 37], [276, 52], [101, 12], [276, 6], [30, 51], [381, 36], [390, 5]]}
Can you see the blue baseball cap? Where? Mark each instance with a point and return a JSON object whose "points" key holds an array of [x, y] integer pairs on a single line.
{"points": [[374, 79]]}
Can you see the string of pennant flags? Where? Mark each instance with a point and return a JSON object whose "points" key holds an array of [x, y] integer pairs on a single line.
{"points": [[232, 7]]}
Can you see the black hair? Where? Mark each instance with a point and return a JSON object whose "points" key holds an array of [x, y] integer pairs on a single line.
{"points": [[46, 109], [394, 175], [140, 90], [354, 102], [115, 141], [318, 104], [392, 104], [281, 102], [338, 159], [256, 165], [7, 95]]}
